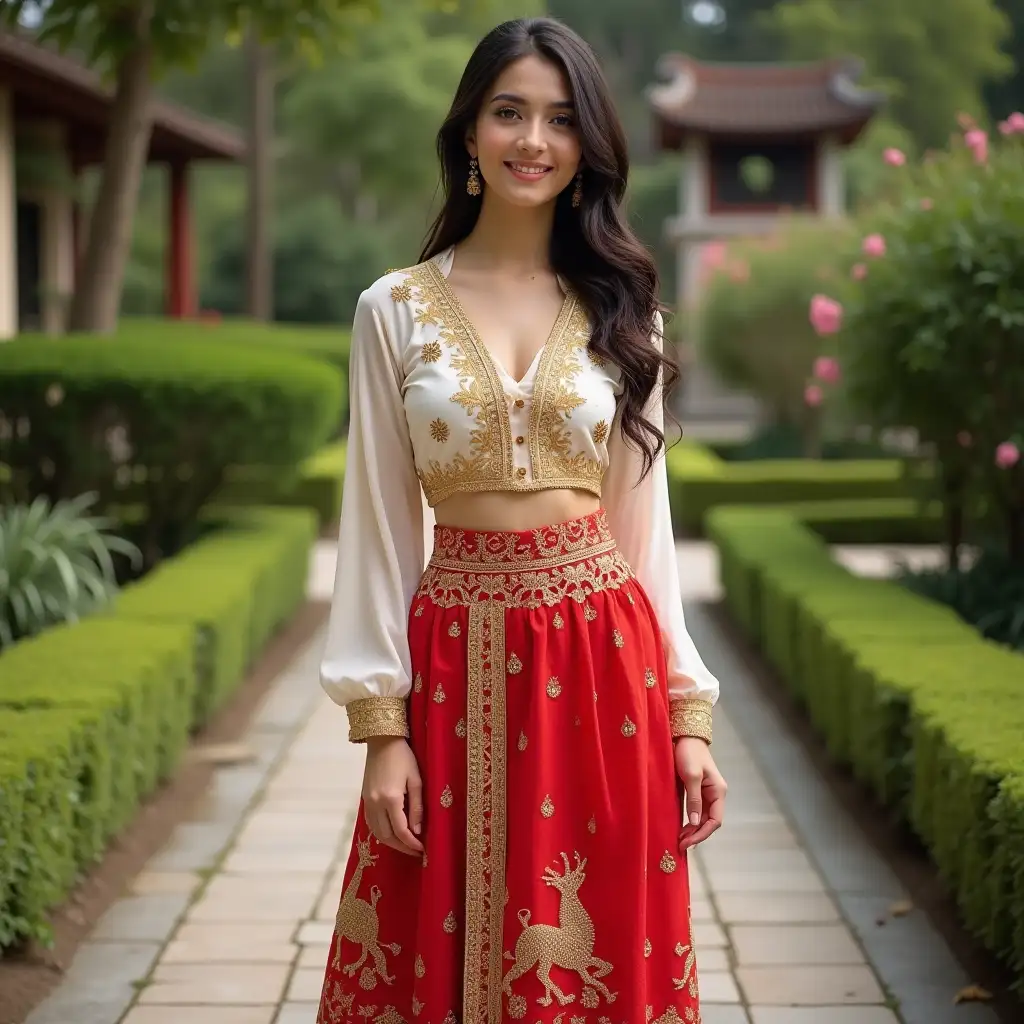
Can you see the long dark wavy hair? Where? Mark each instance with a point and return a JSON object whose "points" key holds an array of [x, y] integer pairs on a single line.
{"points": [[592, 246]]}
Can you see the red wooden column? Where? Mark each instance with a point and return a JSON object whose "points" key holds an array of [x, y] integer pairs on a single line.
{"points": [[181, 292]]}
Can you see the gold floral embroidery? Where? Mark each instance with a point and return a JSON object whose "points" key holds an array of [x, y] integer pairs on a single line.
{"points": [[358, 922], [680, 949], [554, 687], [648, 948], [460, 728], [569, 945], [650, 679], [450, 1018], [455, 630], [547, 807], [424, 858], [628, 727], [376, 716], [420, 967], [366, 1011], [419, 611], [439, 695], [589, 612], [617, 638], [671, 1016], [390, 1016], [447, 799], [431, 352], [439, 430], [417, 683], [689, 979], [401, 293], [417, 1007], [690, 717], [592, 824], [629, 598], [649, 1012], [600, 432], [668, 863], [450, 922], [558, 622], [596, 359], [522, 740], [515, 666]]}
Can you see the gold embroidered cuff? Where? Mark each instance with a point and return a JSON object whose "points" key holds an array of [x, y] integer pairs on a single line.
{"points": [[376, 716], [690, 717]]}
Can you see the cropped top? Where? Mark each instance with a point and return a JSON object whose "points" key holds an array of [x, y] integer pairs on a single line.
{"points": [[433, 414]]}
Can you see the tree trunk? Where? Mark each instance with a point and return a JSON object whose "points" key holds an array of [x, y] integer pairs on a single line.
{"points": [[260, 166], [97, 298]]}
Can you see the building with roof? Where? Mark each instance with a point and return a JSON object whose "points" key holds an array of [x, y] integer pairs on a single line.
{"points": [[54, 118]]}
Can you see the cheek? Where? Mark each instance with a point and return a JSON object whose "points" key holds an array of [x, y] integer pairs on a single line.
{"points": [[491, 141]]}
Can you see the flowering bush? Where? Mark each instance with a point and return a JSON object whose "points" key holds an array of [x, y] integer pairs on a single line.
{"points": [[933, 334], [754, 327]]}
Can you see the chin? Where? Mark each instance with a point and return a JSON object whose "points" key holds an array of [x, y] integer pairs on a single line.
{"points": [[525, 199]]}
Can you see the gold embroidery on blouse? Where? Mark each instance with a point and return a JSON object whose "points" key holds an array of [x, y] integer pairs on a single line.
{"points": [[569, 945], [596, 359], [522, 741], [690, 716], [589, 612], [460, 728], [431, 351], [668, 863], [417, 683], [628, 727], [447, 799], [450, 922], [439, 430], [455, 630], [629, 598], [376, 716], [650, 679], [515, 666], [547, 807], [358, 922], [401, 293], [558, 622], [420, 967], [554, 687], [439, 695], [649, 1012], [648, 948], [617, 638], [600, 432], [419, 611]]}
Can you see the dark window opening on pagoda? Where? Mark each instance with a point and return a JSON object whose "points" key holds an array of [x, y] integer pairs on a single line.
{"points": [[773, 176]]}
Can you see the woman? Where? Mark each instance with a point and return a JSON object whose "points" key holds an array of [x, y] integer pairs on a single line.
{"points": [[527, 697]]}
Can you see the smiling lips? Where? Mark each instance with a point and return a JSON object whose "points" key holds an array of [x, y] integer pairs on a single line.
{"points": [[527, 171]]}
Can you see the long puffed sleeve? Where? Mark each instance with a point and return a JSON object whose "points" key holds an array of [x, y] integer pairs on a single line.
{"points": [[641, 522], [381, 543]]}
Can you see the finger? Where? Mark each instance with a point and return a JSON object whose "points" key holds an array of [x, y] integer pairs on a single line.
{"points": [[708, 827], [400, 826], [379, 823], [691, 786], [415, 788]]}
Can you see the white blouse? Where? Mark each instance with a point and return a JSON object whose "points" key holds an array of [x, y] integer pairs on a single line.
{"points": [[432, 414]]}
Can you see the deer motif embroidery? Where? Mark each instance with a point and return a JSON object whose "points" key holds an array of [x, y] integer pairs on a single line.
{"points": [[569, 944], [358, 922]]}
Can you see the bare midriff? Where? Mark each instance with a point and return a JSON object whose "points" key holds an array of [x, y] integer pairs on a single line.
{"points": [[515, 510]]}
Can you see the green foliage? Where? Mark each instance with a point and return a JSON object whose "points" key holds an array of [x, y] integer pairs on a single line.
{"points": [[700, 481], [881, 674], [932, 57], [934, 335], [167, 421], [93, 717], [56, 564], [754, 327]]}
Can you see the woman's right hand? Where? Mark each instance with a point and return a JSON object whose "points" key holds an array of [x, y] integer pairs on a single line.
{"points": [[391, 773]]}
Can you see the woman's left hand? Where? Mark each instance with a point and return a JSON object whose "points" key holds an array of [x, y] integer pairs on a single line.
{"points": [[705, 791]]}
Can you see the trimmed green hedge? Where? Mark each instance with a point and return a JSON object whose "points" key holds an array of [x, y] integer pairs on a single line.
{"points": [[924, 711], [701, 481], [94, 716]]}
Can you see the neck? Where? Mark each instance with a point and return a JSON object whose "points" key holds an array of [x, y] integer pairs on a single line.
{"points": [[514, 240]]}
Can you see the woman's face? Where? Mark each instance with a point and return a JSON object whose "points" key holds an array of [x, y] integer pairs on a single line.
{"points": [[525, 136]]}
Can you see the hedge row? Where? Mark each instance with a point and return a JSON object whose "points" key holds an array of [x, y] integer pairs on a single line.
{"points": [[923, 710], [701, 481], [94, 716]]}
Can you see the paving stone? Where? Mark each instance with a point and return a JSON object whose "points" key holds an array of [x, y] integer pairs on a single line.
{"points": [[713, 958], [213, 984], [701, 910], [184, 1014], [194, 846], [314, 933], [731, 880], [795, 944], [795, 907], [150, 883], [296, 1013], [141, 918], [256, 861], [717, 987], [722, 1013], [305, 985], [809, 986], [313, 956], [823, 1015], [708, 933]]}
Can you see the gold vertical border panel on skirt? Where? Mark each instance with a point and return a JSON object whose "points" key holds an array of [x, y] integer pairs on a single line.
{"points": [[485, 819]]}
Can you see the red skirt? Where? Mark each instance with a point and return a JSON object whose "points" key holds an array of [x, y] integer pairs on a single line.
{"points": [[552, 888]]}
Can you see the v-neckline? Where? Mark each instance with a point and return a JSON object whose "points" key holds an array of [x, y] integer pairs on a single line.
{"points": [[443, 266]]}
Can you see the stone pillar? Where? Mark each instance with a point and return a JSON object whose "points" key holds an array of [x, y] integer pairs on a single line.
{"points": [[181, 296], [831, 179], [8, 222]]}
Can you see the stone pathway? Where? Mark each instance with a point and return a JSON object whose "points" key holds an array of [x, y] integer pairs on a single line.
{"points": [[230, 923]]}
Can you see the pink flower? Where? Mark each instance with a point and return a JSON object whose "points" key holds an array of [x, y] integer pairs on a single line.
{"points": [[1004, 128], [926, 203], [874, 245], [1016, 123], [977, 143], [859, 271], [813, 395], [740, 270], [826, 315], [964, 439], [714, 255], [826, 369], [894, 157], [1007, 455]]}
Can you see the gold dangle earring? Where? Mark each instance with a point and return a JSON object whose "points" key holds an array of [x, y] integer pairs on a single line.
{"points": [[473, 184], [577, 192]]}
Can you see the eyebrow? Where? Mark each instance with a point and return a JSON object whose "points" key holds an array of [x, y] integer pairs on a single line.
{"points": [[509, 97]]}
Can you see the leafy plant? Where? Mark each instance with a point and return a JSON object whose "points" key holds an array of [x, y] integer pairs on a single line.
{"points": [[56, 564]]}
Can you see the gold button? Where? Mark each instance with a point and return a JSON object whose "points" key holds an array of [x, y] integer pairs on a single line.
{"points": [[519, 403], [521, 471], [520, 439]]}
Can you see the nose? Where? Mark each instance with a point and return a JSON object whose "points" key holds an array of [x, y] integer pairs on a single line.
{"points": [[533, 139]]}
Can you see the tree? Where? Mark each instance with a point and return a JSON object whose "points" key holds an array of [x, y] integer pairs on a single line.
{"points": [[933, 57], [136, 41]]}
